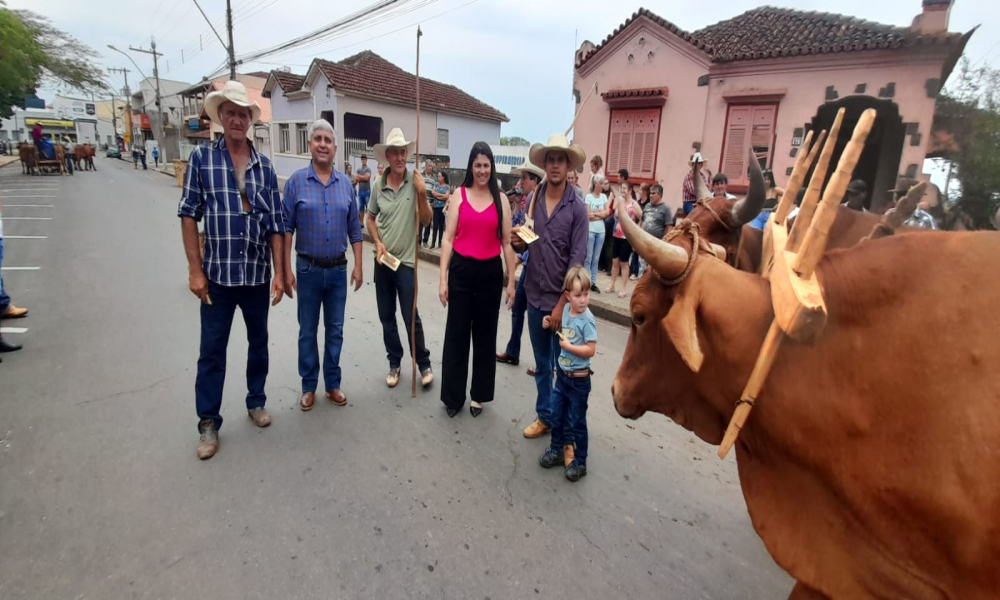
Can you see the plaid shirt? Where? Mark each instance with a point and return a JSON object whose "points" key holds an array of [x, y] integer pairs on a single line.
{"points": [[324, 217], [921, 218], [690, 192], [237, 244]]}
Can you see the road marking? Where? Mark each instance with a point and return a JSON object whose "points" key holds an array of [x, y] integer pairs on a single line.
{"points": [[26, 237], [30, 205], [28, 218], [13, 330], [51, 189], [8, 196], [19, 268]]}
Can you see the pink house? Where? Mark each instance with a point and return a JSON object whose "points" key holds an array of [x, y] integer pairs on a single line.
{"points": [[762, 79]]}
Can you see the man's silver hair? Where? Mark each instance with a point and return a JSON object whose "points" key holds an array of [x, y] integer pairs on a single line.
{"points": [[321, 125]]}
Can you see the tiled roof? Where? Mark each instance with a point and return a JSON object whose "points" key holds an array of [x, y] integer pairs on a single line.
{"points": [[642, 12], [770, 32], [289, 82], [369, 74]]}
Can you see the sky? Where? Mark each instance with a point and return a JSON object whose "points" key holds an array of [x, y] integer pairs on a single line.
{"points": [[515, 55]]}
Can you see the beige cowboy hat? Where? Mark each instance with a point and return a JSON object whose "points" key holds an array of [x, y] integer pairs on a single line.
{"points": [[527, 167], [234, 92], [577, 157], [395, 139]]}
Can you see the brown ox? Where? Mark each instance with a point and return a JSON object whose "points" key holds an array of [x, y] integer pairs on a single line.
{"points": [[29, 158], [870, 465], [83, 157], [723, 221]]}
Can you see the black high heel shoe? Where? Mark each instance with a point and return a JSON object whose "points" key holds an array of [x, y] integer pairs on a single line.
{"points": [[451, 412], [476, 411]]}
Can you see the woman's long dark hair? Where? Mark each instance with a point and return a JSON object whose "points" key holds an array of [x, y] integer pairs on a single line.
{"points": [[484, 149]]}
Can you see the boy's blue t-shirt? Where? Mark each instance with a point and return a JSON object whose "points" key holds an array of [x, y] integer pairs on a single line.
{"points": [[579, 330]]}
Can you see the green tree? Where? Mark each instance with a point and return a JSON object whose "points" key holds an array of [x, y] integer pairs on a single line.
{"points": [[33, 52], [970, 111], [514, 141]]}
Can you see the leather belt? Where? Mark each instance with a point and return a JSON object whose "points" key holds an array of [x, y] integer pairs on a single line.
{"points": [[579, 374], [340, 261]]}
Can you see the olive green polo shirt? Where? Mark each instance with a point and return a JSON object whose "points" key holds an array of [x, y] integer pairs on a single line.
{"points": [[395, 216]]}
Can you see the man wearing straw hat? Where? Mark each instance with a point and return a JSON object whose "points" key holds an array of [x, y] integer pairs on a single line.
{"points": [[561, 223], [396, 196], [235, 190]]}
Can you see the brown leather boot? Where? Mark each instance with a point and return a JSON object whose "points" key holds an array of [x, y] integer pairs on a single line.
{"points": [[536, 430]]}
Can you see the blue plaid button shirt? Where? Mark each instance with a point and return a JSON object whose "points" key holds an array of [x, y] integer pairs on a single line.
{"points": [[237, 244], [324, 217]]}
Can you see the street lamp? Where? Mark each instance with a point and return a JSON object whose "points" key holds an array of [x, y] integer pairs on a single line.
{"points": [[130, 58]]}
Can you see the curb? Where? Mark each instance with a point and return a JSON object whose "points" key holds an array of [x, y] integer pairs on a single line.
{"points": [[600, 309]]}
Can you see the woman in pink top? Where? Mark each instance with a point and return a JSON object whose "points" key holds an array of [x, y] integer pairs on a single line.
{"points": [[476, 233]]}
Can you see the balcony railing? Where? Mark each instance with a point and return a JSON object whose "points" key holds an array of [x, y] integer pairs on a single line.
{"points": [[356, 147]]}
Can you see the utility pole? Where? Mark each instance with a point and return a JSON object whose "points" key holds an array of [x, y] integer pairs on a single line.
{"points": [[229, 25], [156, 75], [232, 53], [128, 109]]}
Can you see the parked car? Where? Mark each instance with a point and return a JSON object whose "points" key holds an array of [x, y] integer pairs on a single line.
{"points": [[114, 152]]}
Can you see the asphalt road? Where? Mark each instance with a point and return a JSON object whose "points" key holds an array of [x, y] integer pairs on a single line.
{"points": [[102, 496]]}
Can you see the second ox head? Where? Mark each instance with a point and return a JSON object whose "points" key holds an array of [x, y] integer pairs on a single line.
{"points": [[722, 219]]}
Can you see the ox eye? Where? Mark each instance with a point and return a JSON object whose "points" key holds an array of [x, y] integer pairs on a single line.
{"points": [[638, 319]]}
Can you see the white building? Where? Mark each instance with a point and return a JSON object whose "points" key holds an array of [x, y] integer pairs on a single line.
{"points": [[146, 121], [363, 97]]}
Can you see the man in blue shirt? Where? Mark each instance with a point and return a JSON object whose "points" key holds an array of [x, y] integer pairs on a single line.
{"points": [[235, 190], [320, 206]]}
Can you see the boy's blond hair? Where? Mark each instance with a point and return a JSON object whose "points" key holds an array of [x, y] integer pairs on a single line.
{"points": [[577, 274]]}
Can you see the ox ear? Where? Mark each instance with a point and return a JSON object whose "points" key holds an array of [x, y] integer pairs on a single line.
{"points": [[681, 324]]}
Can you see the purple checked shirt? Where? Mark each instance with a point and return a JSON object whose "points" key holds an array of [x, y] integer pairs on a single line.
{"points": [[562, 244], [324, 217]]}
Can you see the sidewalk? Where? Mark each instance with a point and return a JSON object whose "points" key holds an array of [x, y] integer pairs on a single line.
{"points": [[8, 160], [604, 306]]}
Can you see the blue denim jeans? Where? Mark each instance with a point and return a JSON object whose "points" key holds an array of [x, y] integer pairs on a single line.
{"points": [[517, 318], [545, 345], [595, 241], [569, 413], [4, 298], [363, 197], [69, 164], [390, 285], [327, 289], [216, 323]]}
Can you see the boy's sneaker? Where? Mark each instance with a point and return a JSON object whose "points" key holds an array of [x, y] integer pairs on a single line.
{"points": [[551, 458], [575, 471]]}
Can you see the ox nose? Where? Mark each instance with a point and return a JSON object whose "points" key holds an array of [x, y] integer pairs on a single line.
{"points": [[614, 389]]}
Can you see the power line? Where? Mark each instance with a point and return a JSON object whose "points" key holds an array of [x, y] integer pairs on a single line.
{"points": [[351, 19], [379, 21]]}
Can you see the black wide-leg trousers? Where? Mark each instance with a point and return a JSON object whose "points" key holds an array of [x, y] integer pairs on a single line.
{"points": [[474, 290]]}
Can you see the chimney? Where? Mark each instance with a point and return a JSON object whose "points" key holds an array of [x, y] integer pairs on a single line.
{"points": [[933, 19]]}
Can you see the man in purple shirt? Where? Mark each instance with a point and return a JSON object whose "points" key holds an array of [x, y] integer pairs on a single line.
{"points": [[319, 205], [561, 224]]}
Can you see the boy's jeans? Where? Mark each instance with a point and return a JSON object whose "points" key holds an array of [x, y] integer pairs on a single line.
{"points": [[569, 413]]}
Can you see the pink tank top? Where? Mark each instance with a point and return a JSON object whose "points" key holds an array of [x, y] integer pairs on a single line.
{"points": [[476, 235]]}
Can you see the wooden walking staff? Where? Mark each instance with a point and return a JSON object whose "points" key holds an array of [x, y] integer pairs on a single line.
{"points": [[799, 309], [416, 242]]}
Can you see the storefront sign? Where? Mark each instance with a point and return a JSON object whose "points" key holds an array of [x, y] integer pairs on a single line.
{"points": [[50, 123]]}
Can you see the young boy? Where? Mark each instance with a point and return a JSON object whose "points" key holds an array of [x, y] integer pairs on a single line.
{"points": [[578, 341]]}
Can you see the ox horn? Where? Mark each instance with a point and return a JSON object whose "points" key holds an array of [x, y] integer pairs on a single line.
{"points": [[747, 209], [701, 190], [666, 259]]}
